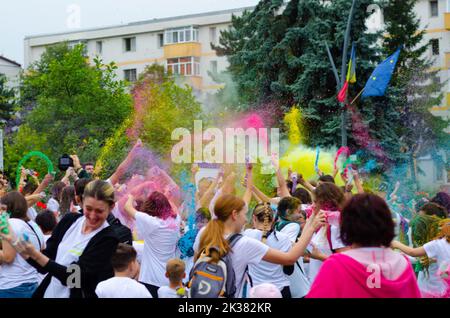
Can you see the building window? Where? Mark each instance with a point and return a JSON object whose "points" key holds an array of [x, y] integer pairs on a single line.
{"points": [[99, 47], [160, 40], [439, 172], [129, 44], [434, 9], [213, 35], [213, 67], [72, 45], [435, 46], [181, 35], [436, 79], [130, 75], [186, 66]]}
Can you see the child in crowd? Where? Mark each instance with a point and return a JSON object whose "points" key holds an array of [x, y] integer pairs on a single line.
{"points": [[126, 271], [175, 272]]}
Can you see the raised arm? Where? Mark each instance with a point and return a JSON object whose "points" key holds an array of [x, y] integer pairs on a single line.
{"points": [[259, 194], [44, 184], [308, 186], [129, 208], [114, 178], [298, 250], [411, 251], [249, 185], [209, 194], [357, 181]]}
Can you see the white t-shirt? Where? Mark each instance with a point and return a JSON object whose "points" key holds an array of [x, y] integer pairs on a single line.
{"points": [[160, 243], [139, 247], [69, 250], [167, 292], [246, 251], [291, 230], [299, 282], [320, 241], [438, 249], [53, 205], [266, 272], [31, 213], [431, 283], [121, 287], [19, 271]]}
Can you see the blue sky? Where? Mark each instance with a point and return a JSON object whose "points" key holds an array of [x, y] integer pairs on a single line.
{"points": [[19, 18]]}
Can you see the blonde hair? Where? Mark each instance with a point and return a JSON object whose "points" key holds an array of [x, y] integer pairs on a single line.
{"points": [[175, 269], [99, 190], [213, 235], [444, 230]]}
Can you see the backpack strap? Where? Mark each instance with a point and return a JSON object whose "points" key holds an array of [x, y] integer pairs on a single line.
{"points": [[37, 236], [329, 238], [233, 239]]}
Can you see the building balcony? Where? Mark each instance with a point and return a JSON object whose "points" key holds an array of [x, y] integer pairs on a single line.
{"points": [[447, 20], [182, 49]]}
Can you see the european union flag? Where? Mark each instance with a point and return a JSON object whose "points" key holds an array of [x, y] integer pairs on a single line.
{"points": [[381, 76]]}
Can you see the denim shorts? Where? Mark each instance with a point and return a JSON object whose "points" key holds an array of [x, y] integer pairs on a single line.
{"points": [[25, 290]]}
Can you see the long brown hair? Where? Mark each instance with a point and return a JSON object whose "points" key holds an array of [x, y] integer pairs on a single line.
{"points": [[213, 235], [329, 196]]}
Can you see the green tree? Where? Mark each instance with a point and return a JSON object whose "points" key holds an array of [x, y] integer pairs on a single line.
{"points": [[277, 53], [75, 101], [415, 87], [160, 106], [21, 143], [71, 106], [7, 101]]}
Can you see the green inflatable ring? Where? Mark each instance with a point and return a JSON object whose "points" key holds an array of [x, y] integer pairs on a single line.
{"points": [[39, 154]]}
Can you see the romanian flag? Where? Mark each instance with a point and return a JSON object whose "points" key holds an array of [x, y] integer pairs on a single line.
{"points": [[351, 75]]}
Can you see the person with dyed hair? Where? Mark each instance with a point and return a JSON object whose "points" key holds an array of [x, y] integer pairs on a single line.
{"points": [[85, 240], [370, 269], [431, 239], [159, 226]]}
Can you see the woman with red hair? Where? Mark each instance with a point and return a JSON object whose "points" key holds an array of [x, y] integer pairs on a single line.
{"points": [[159, 226]]}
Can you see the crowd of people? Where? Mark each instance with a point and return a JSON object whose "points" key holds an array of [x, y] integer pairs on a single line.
{"points": [[309, 238]]}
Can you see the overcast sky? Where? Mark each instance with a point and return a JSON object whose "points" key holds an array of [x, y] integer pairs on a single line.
{"points": [[19, 18]]}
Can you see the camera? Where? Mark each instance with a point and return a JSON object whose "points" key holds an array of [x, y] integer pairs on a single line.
{"points": [[65, 162]]}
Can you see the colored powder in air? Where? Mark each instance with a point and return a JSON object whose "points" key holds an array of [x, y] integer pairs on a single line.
{"points": [[292, 120], [301, 159]]}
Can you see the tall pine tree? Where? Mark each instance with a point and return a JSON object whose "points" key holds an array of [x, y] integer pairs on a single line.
{"points": [[414, 87], [277, 53]]}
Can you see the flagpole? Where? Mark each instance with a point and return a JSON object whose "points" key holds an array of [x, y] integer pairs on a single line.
{"points": [[343, 74], [359, 94], [333, 66]]}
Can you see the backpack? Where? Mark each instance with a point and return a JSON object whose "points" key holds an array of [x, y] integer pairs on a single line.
{"points": [[213, 280], [123, 233]]}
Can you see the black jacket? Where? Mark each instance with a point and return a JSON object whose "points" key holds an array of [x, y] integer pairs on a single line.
{"points": [[94, 262]]}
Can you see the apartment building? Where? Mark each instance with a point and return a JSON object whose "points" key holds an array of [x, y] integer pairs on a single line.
{"points": [[182, 44], [435, 20]]}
